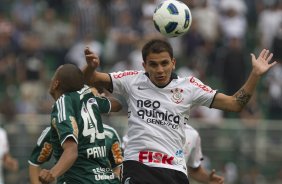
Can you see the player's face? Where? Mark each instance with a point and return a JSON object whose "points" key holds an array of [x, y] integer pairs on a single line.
{"points": [[159, 66]]}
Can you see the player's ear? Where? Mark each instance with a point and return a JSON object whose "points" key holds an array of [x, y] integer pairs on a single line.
{"points": [[56, 84], [144, 65], [174, 63]]}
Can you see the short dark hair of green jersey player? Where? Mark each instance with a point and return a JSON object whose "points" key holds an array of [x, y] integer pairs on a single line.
{"points": [[67, 128]]}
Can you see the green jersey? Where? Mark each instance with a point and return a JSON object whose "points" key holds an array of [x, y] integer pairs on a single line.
{"points": [[77, 115], [113, 146], [42, 152]]}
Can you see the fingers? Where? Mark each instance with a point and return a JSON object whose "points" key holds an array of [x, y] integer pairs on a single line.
{"points": [[262, 53], [88, 53], [265, 54], [268, 59], [253, 56], [45, 176], [87, 50], [212, 173], [273, 63], [92, 59]]}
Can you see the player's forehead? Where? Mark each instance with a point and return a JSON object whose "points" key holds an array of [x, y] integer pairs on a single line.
{"points": [[158, 57]]}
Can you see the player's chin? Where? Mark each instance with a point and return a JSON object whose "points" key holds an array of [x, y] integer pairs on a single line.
{"points": [[161, 82]]}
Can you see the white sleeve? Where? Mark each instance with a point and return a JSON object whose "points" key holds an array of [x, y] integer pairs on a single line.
{"points": [[4, 142], [203, 95], [196, 155], [121, 81]]}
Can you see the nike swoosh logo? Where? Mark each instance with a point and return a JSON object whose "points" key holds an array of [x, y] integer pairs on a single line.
{"points": [[142, 88]]}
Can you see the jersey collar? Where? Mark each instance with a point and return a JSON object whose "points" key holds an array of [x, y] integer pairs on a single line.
{"points": [[173, 76]]}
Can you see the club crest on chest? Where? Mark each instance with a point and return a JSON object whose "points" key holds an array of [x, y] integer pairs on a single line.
{"points": [[177, 95]]}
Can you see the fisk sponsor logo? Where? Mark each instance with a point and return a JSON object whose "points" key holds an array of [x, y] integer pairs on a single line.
{"points": [[200, 85], [155, 157], [123, 74]]}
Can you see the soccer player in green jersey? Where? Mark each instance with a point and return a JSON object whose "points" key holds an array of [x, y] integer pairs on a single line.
{"points": [[42, 152], [77, 133]]}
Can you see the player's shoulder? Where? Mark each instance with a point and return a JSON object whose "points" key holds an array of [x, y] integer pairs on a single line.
{"points": [[127, 73], [44, 136], [187, 79], [3, 131], [74, 95], [193, 83]]}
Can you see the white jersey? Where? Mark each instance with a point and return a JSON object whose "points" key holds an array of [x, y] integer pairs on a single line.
{"points": [[4, 148], [192, 148], [157, 116]]}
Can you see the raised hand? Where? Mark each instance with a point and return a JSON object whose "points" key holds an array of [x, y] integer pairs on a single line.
{"points": [[92, 59], [263, 63], [215, 179]]}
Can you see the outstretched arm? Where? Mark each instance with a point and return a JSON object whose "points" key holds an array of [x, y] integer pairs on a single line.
{"points": [[66, 160], [201, 175], [238, 101], [91, 76]]}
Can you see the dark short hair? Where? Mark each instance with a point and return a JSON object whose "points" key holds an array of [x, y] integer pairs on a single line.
{"points": [[70, 77], [156, 46]]}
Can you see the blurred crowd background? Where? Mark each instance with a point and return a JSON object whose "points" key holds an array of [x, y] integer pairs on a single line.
{"points": [[36, 36]]}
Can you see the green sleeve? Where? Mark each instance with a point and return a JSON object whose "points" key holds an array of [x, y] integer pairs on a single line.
{"points": [[42, 152], [115, 155], [104, 104]]}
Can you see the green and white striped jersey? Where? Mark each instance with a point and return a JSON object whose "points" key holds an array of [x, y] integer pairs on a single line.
{"points": [[77, 115]]}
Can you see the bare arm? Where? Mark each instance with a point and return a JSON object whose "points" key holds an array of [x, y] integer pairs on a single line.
{"points": [[115, 103], [201, 175], [116, 171], [91, 76], [238, 101], [65, 162], [10, 163], [34, 174]]}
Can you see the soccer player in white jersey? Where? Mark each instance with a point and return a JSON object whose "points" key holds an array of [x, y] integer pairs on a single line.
{"points": [[6, 160], [193, 156], [159, 105]]}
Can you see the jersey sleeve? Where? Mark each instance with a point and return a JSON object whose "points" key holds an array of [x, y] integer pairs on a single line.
{"points": [[65, 123], [196, 156], [115, 155], [203, 95], [104, 104], [122, 80], [4, 143], [42, 152]]}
